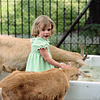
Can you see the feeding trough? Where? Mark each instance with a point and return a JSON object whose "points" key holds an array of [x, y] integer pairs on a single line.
{"points": [[86, 88]]}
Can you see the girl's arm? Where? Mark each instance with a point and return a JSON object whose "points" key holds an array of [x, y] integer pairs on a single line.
{"points": [[51, 61]]}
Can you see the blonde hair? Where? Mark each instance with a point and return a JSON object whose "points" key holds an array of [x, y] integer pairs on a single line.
{"points": [[44, 20]]}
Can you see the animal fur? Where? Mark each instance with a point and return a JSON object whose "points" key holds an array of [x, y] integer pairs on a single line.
{"points": [[14, 53], [48, 85]]}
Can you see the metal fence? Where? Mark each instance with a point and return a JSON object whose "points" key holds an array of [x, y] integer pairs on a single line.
{"points": [[17, 16]]}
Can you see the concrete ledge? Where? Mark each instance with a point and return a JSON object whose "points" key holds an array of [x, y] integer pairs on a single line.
{"points": [[85, 90], [81, 90]]}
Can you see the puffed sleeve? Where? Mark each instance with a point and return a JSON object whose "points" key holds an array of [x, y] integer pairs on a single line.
{"points": [[39, 43]]}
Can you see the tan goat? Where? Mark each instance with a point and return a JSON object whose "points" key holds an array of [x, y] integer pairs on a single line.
{"points": [[48, 85], [15, 51], [63, 56]]}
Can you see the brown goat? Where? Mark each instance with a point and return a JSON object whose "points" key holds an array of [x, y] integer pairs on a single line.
{"points": [[48, 85], [15, 51]]}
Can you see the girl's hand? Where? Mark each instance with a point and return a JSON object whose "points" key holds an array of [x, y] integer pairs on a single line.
{"points": [[63, 66]]}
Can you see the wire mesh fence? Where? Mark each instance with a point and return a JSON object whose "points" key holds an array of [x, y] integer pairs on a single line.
{"points": [[17, 16]]}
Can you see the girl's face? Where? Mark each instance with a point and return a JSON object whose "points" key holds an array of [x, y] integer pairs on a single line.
{"points": [[45, 32]]}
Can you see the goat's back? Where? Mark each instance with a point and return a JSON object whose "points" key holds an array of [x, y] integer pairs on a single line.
{"points": [[46, 85]]}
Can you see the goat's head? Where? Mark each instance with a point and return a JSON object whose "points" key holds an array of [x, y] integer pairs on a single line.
{"points": [[73, 73]]}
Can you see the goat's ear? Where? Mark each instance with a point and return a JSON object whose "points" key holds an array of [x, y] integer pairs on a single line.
{"points": [[80, 61], [82, 73]]}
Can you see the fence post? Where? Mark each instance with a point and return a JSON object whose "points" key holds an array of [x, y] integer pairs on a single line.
{"points": [[75, 22]]}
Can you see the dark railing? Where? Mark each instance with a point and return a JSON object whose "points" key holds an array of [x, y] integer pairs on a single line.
{"points": [[75, 22], [17, 16]]}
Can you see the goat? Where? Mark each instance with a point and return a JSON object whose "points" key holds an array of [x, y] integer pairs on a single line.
{"points": [[47, 85], [14, 53]]}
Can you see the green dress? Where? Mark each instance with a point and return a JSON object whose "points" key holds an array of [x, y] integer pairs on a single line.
{"points": [[35, 61]]}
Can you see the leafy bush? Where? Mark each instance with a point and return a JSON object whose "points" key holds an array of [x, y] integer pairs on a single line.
{"points": [[20, 15], [92, 49], [91, 30]]}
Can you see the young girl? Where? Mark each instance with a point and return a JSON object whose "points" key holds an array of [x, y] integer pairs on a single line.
{"points": [[40, 58]]}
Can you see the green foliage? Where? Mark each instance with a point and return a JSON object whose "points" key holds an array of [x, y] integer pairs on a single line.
{"points": [[92, 49], [18, 17], [91, 30], [22, 14]]}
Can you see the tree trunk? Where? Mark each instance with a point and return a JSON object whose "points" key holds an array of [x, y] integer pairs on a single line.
{"points": [[94, 13]]}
